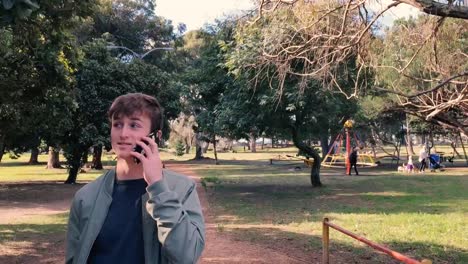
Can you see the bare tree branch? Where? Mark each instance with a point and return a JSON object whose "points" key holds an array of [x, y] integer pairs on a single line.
{"points": [[316, 39], [441, 85], [437, 8]]}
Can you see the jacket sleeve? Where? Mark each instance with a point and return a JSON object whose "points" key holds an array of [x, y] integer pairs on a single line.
{"points": [[179, 220], [73, 233]]}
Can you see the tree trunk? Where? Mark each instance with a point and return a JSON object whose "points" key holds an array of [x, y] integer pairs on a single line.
{"points": [[54, 161], [324, 145], [398, 150], [85, 158], [315, 170], [74, 165], [187, 146], [198, 147], [373, 143], [205, 148], [374, 153], [463, 147], [97, 158], [34, 156], [2, 147], [453, 144], [409, 142], [400, 141], [396, 146], [214, 149], [253, 144], [263, 142], [432, 142], [230, 145], [72, 175], [199, 153]]}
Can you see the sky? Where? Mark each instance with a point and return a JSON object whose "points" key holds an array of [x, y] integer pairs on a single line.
{"points": [[402, 10], [195, 13]]}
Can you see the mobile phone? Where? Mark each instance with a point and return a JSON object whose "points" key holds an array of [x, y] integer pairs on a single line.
{"points": [[139, 149]]}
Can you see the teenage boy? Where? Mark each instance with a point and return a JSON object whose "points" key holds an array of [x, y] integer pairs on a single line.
{"points": [[136, 212]]}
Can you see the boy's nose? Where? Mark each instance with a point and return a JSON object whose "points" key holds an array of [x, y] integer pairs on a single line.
{"points": [[124, 132]]}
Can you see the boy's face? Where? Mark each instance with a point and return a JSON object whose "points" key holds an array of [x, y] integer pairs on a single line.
{"points": [[126, 130]]}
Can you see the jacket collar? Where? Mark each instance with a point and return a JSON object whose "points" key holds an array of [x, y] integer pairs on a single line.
{"points": [[149, 233], [108, 185], [99, 214]]}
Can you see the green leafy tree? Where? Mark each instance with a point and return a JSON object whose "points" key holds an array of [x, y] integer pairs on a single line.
{"points": [[408, 72], [38, 60], [205, 79], [295, 103], [132, 26], [16, 9], [322, 35], [100, 80]]}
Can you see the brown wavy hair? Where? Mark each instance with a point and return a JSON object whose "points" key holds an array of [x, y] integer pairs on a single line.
{"points": [[137, 103]]}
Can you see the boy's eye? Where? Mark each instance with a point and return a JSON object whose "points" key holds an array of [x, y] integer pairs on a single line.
{"points": [[117, 124], [135, 125]]}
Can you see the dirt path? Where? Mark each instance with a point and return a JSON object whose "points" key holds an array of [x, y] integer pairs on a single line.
{"points": [[221, 248], [21, 201], [25, 243]]}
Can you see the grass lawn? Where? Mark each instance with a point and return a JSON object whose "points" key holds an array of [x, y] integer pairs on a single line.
{"points": [[21, 230], [27, 235], [17, 170], [423, 216]]}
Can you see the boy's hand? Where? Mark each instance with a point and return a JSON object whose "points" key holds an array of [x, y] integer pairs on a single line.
{"points": [[151, 161]]}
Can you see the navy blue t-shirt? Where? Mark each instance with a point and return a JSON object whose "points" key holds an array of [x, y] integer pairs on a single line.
{"points": [[121, 237]]}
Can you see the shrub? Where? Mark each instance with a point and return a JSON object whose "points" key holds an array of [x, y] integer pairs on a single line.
{"points": [[179, 148]]}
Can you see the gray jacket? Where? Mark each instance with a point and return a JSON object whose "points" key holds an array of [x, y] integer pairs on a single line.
{"points": [[173, 225]]}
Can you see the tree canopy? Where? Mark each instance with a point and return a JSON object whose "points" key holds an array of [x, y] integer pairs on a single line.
{"points": [[321, 36], [298, 69]]}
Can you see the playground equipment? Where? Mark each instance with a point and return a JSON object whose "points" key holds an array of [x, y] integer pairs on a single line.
{"points": [[338, 158], [308, 162]]}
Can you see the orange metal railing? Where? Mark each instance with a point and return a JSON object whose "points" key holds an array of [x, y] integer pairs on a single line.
{"points": [[393, 254]]}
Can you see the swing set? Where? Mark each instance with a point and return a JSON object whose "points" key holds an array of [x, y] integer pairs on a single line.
{"points": [[337, 156]]}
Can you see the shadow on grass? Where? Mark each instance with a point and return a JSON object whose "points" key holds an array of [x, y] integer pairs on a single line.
{"points": [[41, 163], [310, 246], [273, 187], [251, 195], [37, 192], [23, 163], [374, 171], [33, 243], [222, 162], [23, 232], [430, 194]]}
